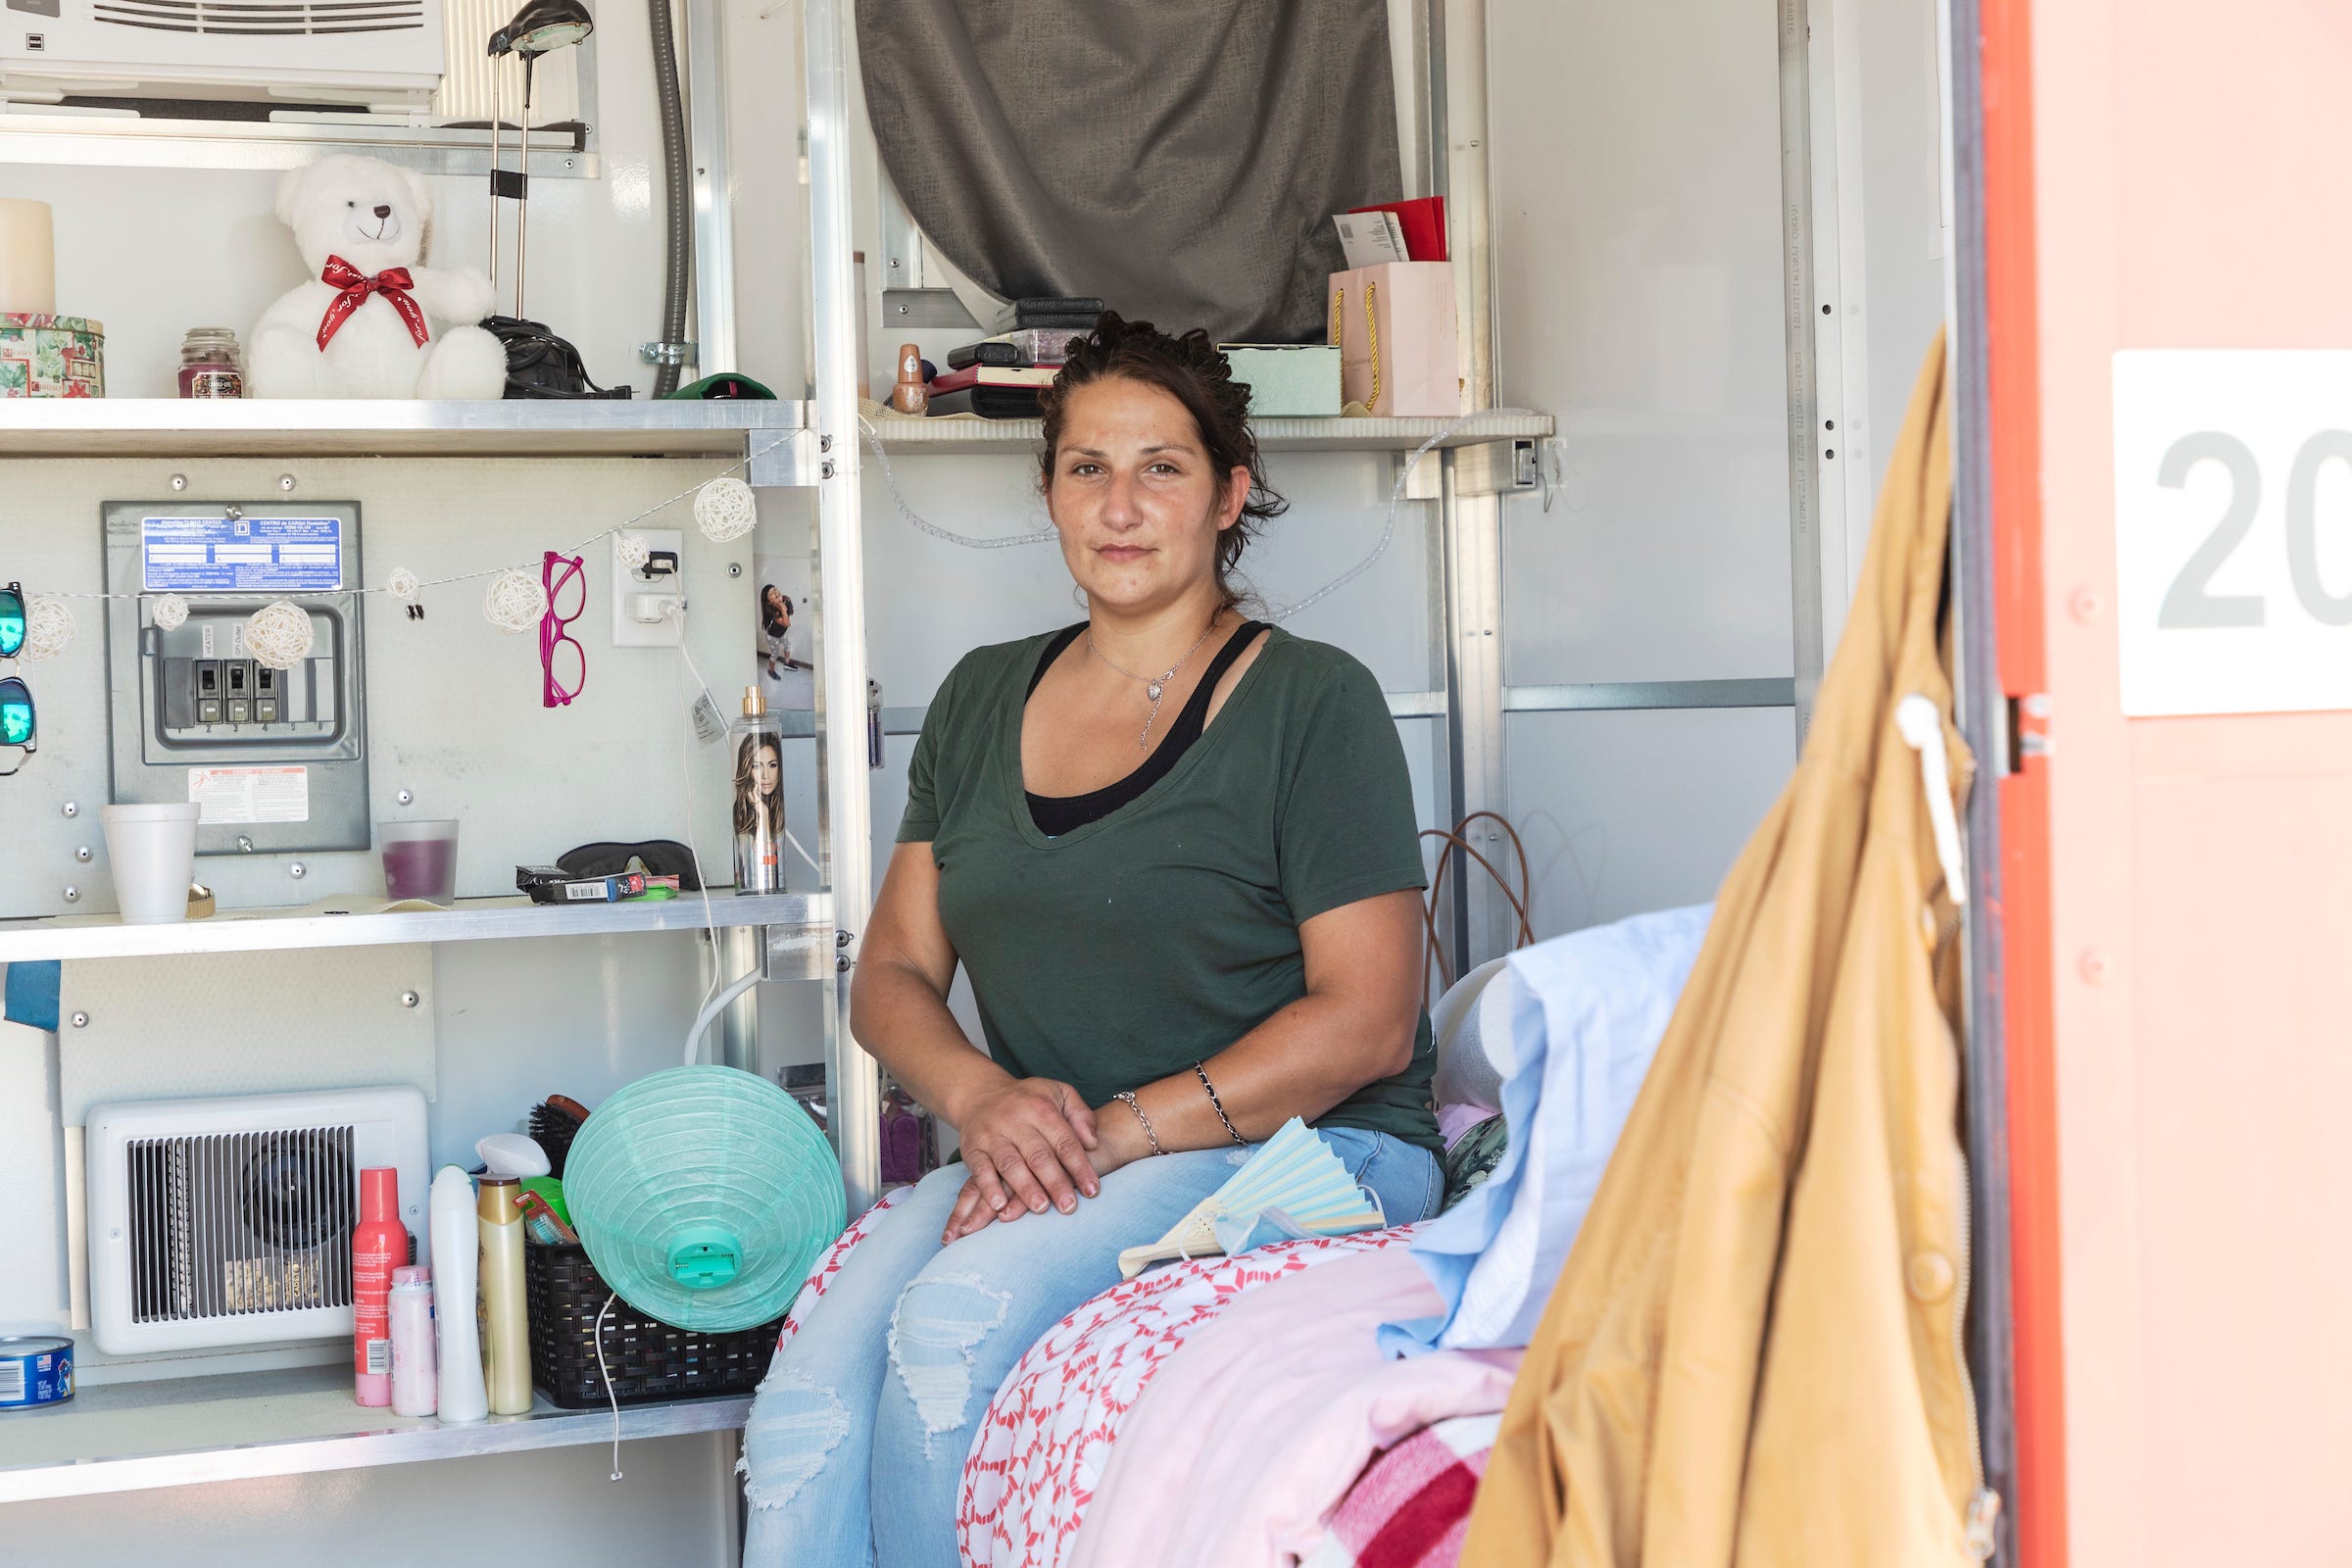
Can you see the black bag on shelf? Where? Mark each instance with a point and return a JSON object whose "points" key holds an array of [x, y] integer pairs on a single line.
{"points": [[541, 364]]}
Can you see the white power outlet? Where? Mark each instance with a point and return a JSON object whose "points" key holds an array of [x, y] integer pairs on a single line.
{"points": [[642, 599]]}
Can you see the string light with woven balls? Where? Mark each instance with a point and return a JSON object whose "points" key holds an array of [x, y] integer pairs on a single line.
{"points": [[514, 602], [169, 612], [726, 508], [48, 629], [403, 586], [279, 634], [630, 552]]}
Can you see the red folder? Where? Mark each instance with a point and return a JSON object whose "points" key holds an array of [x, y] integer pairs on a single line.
{"points": [[1424, 223]]}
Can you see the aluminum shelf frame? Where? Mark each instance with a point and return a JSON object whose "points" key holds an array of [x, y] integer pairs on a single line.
{"points": [[969, 437], [28, 135], [177, 1432], [793, 919], [772, 432]]}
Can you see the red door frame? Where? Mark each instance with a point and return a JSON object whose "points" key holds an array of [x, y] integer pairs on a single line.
{"points": [[2013, 352]]}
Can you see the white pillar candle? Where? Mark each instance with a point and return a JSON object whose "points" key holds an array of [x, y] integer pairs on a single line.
{"points": [[27, 259]]}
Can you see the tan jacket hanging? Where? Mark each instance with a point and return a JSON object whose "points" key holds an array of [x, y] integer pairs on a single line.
{"points": [[1754, 1355]]}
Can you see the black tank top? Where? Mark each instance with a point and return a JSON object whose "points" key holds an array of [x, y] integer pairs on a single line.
{"points": [[1057, 815]]}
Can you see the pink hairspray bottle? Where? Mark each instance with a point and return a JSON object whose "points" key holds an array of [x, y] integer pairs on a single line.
{"points": [[377, 1247]]}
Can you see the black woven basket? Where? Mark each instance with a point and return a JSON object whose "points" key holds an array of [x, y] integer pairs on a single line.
{"points": [[650, 1361]]}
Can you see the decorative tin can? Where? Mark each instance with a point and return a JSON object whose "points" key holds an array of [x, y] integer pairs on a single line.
{"points": [[52, 356], [35, 1372]]}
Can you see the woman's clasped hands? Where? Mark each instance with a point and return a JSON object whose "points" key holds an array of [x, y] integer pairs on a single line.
{"points": [[1029, 1144]]}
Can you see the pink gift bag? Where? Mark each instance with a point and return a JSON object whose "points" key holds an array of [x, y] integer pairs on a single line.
{"points": [[1394, 327]]}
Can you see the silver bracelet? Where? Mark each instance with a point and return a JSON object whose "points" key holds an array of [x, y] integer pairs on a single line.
{"points": [[1219, 1104], [1128, 1095]]}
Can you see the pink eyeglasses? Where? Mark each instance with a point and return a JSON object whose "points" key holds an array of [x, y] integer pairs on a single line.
{"points": [[566, 673]]}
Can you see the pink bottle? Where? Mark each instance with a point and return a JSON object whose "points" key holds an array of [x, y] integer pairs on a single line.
{"points": [[377, 1247], [416, 1365]]}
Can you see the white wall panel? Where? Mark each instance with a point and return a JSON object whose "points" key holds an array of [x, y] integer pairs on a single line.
{"points": [[1636, 245], [1623, 812], [1907, 229], [454, 706]]}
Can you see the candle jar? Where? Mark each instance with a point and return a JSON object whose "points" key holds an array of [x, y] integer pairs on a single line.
{"points": [[208, 363]]}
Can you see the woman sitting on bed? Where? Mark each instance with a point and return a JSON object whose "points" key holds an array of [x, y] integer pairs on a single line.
{"points": [[1174, 849]]}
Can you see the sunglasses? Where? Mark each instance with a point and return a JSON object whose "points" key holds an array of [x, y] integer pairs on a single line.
{"points": [[11, 619], [563, 661], [16, 725], [656, 857]]}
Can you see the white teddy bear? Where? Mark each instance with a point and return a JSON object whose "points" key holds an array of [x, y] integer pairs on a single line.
{"points": [[359, 328]]}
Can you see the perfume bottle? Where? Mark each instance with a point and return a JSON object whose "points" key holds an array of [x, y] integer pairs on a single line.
{"points": [[755, 741]]}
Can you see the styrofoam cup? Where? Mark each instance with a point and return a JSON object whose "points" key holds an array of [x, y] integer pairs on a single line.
{"points": [[152, 850]]}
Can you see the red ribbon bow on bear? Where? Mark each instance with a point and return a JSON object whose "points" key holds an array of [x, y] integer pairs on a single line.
{"points": [[393, 283]]}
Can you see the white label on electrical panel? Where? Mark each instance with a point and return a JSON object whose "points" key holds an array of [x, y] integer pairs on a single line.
{"points": [[241, 555], [231, 796], [2234, 530]]}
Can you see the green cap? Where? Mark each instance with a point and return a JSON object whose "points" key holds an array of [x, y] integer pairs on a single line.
{"points": [[725, 384]]}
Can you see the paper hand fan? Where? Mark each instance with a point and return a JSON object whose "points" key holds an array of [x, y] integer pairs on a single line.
{"points": [[703, 1196], [1293, 1186]]}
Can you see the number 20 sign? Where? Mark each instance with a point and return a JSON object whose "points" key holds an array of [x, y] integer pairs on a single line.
{"points": [[2234, 530]]}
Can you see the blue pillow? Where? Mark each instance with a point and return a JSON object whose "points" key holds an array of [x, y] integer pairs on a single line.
{"points": [[1587, 1012]]}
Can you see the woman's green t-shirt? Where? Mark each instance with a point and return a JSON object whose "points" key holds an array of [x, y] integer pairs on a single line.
{"points": [[1157, 936]]}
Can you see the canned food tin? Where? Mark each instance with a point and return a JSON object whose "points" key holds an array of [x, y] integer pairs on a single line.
{"points": [[35, 1372]]}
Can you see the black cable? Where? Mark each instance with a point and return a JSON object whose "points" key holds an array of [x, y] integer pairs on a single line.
{"points": [[667, 99]]}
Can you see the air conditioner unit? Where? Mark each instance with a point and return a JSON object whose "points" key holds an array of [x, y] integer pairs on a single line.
{"points": [[228, 1221], [374, 52]]}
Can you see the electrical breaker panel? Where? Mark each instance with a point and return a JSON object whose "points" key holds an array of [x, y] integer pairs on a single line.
{"points": [[276, 759]]}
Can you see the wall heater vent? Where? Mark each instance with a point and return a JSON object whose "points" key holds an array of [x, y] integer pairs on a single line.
{"points": [[228, 1221], [256, 20]]}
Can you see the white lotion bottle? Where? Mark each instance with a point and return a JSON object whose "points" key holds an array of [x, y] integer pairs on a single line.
{"points": [[457, 1255]]}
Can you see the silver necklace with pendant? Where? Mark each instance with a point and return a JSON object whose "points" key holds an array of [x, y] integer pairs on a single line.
{"points": [[1153, 689]]}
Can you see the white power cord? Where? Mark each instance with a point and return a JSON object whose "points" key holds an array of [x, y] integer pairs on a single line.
{"points": [[1388, 530], [712, 1008], [714, 999], [686, 777], [602, 1372]]}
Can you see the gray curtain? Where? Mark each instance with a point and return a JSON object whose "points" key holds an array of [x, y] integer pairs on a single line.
{"points": [[1178, 157]]}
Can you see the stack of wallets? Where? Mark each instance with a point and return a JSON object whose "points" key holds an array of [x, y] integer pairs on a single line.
{"points": [[991, 391], [1023, 346], [546, 884]]}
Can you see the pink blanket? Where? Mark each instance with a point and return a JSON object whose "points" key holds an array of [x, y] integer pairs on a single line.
{"points": [[1270, 1415], [1296, 1396], [1039, 1456]]}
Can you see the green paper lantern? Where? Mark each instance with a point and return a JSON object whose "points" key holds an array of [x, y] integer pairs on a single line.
{"points": [[704, 1195]]}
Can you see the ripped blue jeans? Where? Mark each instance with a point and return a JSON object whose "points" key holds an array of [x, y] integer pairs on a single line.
{"points": [[857, 1438]]}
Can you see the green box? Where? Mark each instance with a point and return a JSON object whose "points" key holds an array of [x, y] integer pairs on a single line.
{"points": [[1294, 380]]}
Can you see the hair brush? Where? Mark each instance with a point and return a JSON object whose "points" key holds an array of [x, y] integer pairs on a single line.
{"points": [[554, 1123]]}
